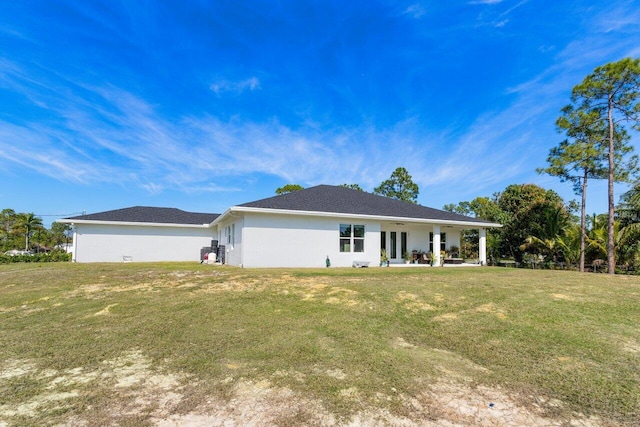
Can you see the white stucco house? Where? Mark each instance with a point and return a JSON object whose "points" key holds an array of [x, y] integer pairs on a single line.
{"points": [[140, 234], [299, 229]]}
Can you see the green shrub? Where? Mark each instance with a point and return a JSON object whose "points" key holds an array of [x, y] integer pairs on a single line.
{"points": [[53, 256]]}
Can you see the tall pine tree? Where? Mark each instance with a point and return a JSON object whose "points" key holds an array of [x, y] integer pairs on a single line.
{"points": [[612, 92]]}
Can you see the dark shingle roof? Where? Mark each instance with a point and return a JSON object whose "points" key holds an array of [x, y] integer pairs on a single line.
{"points": [[332, 199], [151, 215]]}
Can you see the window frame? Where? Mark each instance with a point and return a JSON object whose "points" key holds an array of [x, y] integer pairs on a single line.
{"points": [[230, 234], [351, 238]]}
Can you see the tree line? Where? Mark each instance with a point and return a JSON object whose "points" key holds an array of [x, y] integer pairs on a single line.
{"points": [[540, 228], [21, 230]]}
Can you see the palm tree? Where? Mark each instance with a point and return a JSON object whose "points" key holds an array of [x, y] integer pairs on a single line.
{"points": [[548, 238], [598, 236], [29, 222], [628, 241], [573, 246]]}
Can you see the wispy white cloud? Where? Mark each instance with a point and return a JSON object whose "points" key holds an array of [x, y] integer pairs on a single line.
{"points": [[119, 138], [416, 10], [486, 1], [619, 17], [221, 86], [33, 148], [496, 17]]}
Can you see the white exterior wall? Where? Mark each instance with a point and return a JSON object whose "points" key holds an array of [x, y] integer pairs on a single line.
{"points": [[419, 239], [229, 233], [453, 237], [302, 241], [109, 243]]}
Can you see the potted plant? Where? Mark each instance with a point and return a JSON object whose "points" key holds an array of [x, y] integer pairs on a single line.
{"points": [[454, 251], [407, 257], [384, 259], [432, 258]]}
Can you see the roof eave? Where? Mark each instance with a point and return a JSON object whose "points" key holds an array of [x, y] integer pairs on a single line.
{"points": [[131, 223], [246, 209], [220, 217]]}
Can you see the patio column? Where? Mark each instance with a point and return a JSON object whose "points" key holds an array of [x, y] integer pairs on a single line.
{"points": [[74, 243], [482, 250], [436, 244]]}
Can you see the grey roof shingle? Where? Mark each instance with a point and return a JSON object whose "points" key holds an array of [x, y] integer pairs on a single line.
{"points": [[334, 199], [150, 215]]}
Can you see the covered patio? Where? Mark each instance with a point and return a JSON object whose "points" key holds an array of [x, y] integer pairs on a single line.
{"points": [[413, 243]]}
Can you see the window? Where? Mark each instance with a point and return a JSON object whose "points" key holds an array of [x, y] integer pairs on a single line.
{"points": [[403, 243], [230, 232], [443, 241], [394, 245], [351, 238], [345, 238]]}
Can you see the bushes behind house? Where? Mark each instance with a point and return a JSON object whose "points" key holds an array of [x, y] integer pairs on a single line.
{"points": [[53, 256]]}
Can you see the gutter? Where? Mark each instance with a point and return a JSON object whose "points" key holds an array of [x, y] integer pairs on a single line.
{"points": [[130, 223], [470, 224]]}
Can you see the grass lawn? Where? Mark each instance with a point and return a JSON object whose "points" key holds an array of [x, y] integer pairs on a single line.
{"points": [[189, 344]]}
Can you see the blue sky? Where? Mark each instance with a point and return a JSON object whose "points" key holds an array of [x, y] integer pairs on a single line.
{"points": [[201, 105]]}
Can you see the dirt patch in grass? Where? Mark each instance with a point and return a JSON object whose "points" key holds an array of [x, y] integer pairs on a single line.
{"points": [[133, 386], [464, 404], [15, 368], [490, 308], [412, 302], [254, 403], [443, 404], [493, 309], [563, 297], [138, 391], [445, 317], [106, 310], [632, 346]]}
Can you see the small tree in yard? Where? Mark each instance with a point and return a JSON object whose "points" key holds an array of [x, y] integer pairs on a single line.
{"points": [[612, 92], [29, 222], [59, 233]]}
